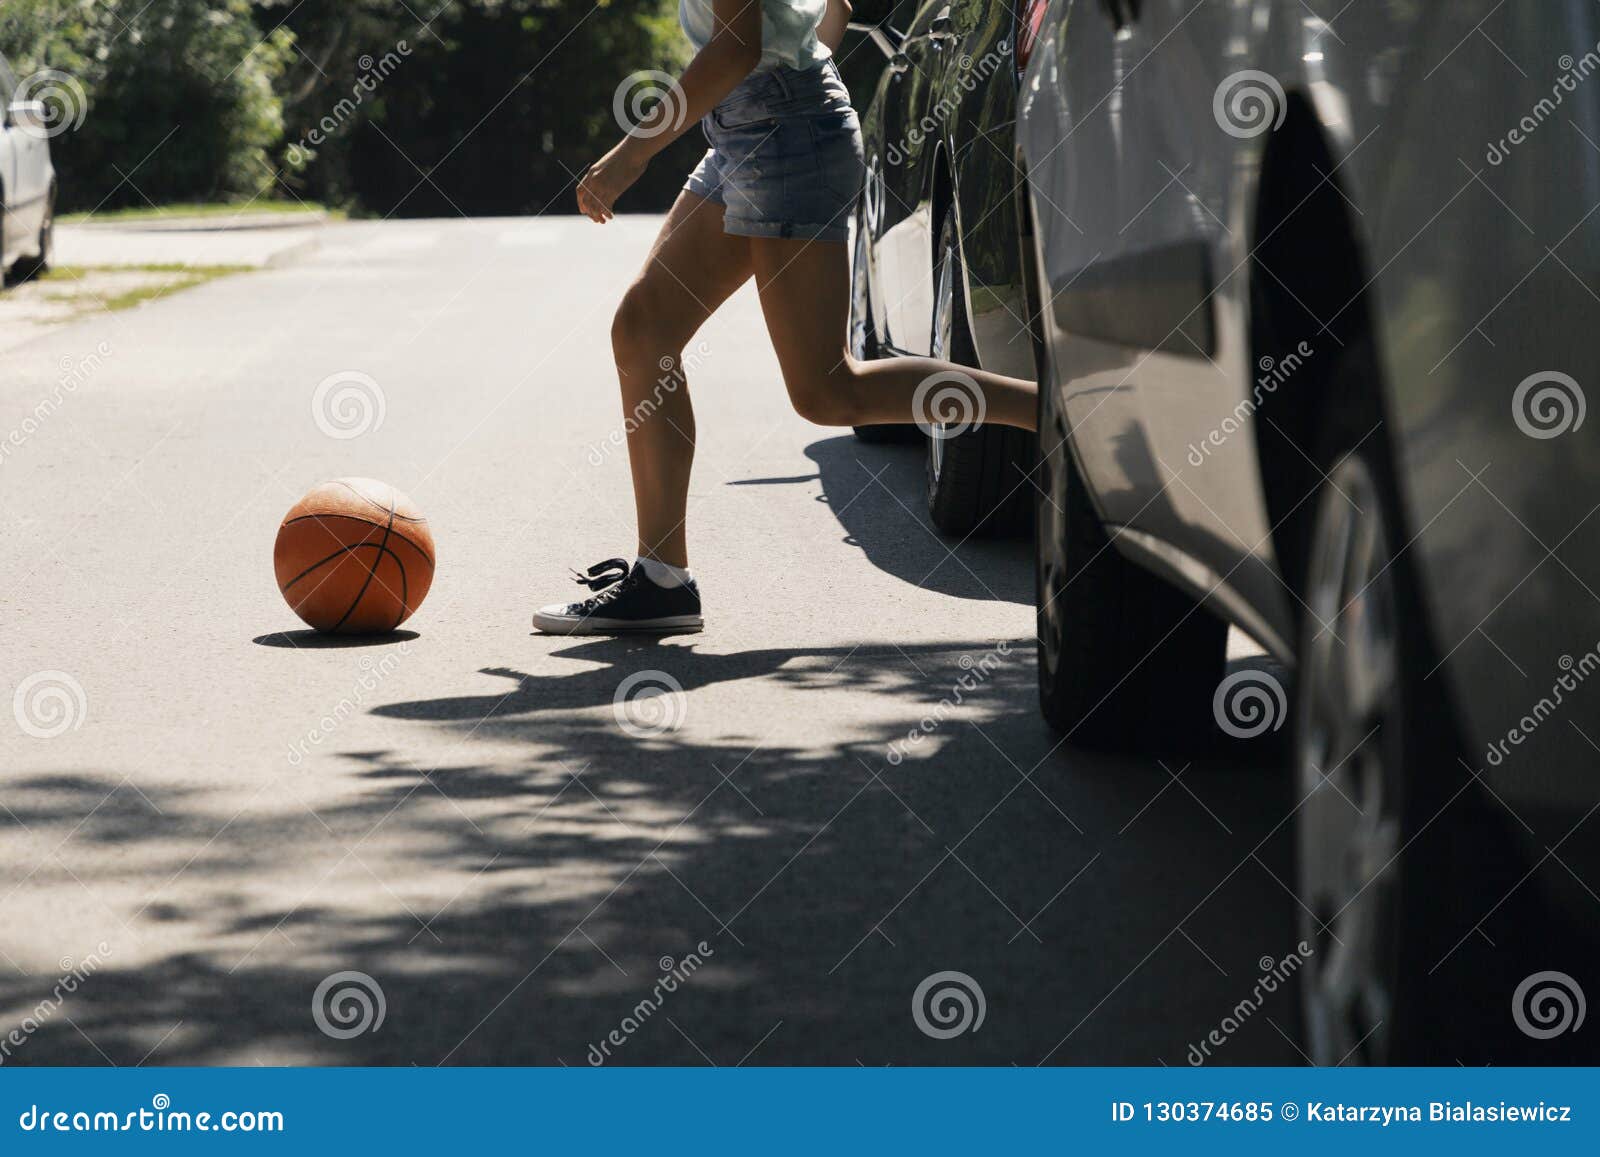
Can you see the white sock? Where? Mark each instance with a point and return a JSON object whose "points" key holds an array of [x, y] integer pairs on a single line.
{"points": [[664, 574]]}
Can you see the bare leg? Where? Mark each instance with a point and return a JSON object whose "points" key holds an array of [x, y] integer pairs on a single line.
{"points": [[692, 269], [805, 295]]}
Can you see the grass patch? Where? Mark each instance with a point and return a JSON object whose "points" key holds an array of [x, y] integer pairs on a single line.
{"points": [[79, 272], [197, 209], [174, 279]]}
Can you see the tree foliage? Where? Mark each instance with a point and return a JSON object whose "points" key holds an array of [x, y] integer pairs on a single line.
{"points": [[393, 107], [180, 96], [496, 108]]}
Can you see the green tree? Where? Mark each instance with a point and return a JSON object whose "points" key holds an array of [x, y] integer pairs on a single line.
{"points": [[498, 104], [180, 96]]}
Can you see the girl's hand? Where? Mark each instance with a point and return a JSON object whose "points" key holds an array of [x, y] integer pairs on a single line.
{"points": [[608, 178]]}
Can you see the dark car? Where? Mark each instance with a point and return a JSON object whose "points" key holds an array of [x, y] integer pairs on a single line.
{"points": [[1317, 316], [937, 267]]}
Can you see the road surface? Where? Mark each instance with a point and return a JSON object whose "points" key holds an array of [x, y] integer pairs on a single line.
{"points": [[209, 814]]}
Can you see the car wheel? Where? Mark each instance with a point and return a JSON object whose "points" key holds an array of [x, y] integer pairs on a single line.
{"points": [[1126, 661], [864, 336], [1401, 860], [30, 267], [978, 476], [1349, 751]]}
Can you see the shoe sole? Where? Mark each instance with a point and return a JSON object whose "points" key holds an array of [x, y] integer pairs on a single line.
{"points": [[671, 624]]}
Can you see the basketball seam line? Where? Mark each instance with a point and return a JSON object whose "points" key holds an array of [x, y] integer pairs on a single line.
{"points": [[377, 546], [399, 565], [321, 562], [365, 498], [412, 543], [372, 573]]}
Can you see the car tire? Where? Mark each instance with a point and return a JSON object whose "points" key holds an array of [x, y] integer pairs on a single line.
{"points": [[978, 480], [1127, 662], [1401, 860], [31, 267], [863, 338]]}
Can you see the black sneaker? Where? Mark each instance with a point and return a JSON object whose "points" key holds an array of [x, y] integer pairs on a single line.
{"points": [[629, 600]]}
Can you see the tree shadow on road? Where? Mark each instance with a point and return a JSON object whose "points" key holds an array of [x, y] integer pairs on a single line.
{"points": [[516, 903]]}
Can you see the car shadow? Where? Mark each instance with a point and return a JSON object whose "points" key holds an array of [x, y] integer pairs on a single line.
{"points": [[873, 487]]}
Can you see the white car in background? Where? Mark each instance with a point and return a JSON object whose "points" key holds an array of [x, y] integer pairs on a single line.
{"points": [[27, 181]]}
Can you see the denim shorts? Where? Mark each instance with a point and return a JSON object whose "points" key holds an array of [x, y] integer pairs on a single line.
{"points": [[785, 157]]}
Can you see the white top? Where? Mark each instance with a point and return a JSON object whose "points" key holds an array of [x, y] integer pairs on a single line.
{"points": [[788, 31]]}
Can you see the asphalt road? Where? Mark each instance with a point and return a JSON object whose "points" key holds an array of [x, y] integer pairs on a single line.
{"points": [[233, 813]]}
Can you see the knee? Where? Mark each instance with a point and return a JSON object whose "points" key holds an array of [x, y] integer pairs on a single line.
{"points": [[826, 397], [636, 329]]}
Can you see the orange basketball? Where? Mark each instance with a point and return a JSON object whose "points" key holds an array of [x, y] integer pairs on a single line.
{"points": [[354, 556]]}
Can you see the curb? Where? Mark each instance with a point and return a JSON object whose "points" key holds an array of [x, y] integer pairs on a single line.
{"points": [[243, 222]]}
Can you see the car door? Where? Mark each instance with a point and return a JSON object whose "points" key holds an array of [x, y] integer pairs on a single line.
{"points": [[903, 252], [10, 234], [1146, 290], [980, 102], [28, 184]]}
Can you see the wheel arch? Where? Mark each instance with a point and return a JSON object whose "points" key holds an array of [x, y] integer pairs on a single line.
{"points": [[1309, 315], [943, 198]]}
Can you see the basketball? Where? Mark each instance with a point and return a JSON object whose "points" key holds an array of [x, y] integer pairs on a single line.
{"points": [[354, 556]]}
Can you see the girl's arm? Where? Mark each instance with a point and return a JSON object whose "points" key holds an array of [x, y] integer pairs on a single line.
{"points": [[831, 30], [716, 70]]}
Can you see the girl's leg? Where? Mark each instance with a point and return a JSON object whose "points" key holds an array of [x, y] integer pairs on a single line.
{"points": [[692, 269], [805, 296]]}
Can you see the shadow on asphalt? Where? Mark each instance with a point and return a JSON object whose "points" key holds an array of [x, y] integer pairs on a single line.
{"points": [[1112, 911], [872, 487], [308, 640]]}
